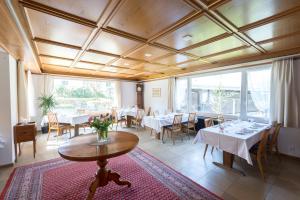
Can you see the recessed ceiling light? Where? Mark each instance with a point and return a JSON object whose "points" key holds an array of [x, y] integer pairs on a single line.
{"points": [[148, 54], [126, 64], [187, 38]]}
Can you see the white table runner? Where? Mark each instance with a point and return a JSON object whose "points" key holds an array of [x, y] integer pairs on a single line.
{"points": [[236, 138]]}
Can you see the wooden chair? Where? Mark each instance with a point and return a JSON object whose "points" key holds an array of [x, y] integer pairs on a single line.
{"points": [[208, 122], [137, 121], [24, 133], [55, 125], [175, 129], [116, 119], [260, 152], [273, 143], [190, 125]]}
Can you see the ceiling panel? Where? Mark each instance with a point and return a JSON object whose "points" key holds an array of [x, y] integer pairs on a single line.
{"points": [[196, 31], [97, 58], [114, 44], [111, 69], [151, 67], [54, 50], [193, 64], [56, 29], [90, 10], [218, 46], [282, 44], [250, 51], [173, 59], [145, 18], [86, 65], [148, 53], [126, 63], [286, 25], [55, 61], [243, 12]]}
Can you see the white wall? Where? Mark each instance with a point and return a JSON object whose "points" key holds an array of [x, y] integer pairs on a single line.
{"points": [[156, 103], [128, 94], [8, 107]]}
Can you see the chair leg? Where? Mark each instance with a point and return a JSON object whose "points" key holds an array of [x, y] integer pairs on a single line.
{"points": [[49, 131], [212, 150], [260, 167], [206, 146], [172, 137]]}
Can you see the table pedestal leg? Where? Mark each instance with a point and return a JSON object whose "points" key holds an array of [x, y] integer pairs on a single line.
{"points": [[103, 177], [228, 163]]}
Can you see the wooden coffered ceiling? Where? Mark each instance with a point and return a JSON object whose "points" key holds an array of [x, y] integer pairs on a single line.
{"points": [[145, 39]]}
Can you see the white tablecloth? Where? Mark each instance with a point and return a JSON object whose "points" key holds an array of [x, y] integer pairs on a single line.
{"points": [[236, 138], [127, 111], [71, 119], [160, 121]]}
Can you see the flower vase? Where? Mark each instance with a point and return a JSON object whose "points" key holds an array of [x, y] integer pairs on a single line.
{"points": [[102, 135]]}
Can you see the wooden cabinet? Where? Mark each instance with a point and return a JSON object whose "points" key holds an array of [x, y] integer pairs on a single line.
{"points": [[24, 133]]}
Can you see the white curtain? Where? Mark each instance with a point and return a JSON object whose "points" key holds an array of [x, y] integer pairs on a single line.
{"points": [[30, 96], [284, 97], [48, 85], [171, 93], [22, 93], [118, 94], [259, 87]]}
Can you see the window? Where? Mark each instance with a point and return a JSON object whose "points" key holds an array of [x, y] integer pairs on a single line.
{"points": [[181, 95], [244, 93], [217, 94], [75, 95], [258, 95]]}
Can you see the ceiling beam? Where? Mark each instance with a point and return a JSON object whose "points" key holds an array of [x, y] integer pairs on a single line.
{"points": [[45, 41]]}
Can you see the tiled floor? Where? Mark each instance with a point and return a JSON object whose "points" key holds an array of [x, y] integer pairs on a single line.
{"points": [[283, 181]]}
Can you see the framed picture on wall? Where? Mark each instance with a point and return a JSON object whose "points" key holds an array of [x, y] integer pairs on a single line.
{"points": [[156, 92]]}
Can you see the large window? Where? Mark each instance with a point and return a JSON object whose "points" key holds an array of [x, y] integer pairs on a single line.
{"points": [[244, 93], [77, 95], [216, 94], [258, 95], [181, 95]]}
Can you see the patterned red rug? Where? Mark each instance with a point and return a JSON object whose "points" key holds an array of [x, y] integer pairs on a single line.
{"points": [[62, 179]]}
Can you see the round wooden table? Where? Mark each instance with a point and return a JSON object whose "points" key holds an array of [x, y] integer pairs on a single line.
{"points": [[83, 149]]}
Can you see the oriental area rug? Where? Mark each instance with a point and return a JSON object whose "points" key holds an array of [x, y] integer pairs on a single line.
{"points": [[62, 179]]}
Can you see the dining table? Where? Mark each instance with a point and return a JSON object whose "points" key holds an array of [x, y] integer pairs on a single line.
{"points": [[129, 113], [158, 122], [74, 120], [233, 138]]}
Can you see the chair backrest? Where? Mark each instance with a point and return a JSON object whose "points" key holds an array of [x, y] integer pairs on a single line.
{"points": [[191, 119], [52, 120], [149, 111], [275, 134], [177, 122], [114, 114], [208, 122], [263, 143]]}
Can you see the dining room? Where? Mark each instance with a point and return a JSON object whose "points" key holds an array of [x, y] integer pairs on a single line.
{"points": [[177, 99]]}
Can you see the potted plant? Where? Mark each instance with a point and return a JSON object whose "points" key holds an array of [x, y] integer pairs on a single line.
{"points": [[101, 126], [47, 103]]}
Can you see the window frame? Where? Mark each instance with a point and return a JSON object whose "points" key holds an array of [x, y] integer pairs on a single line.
{"points": [[243, 95]]}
